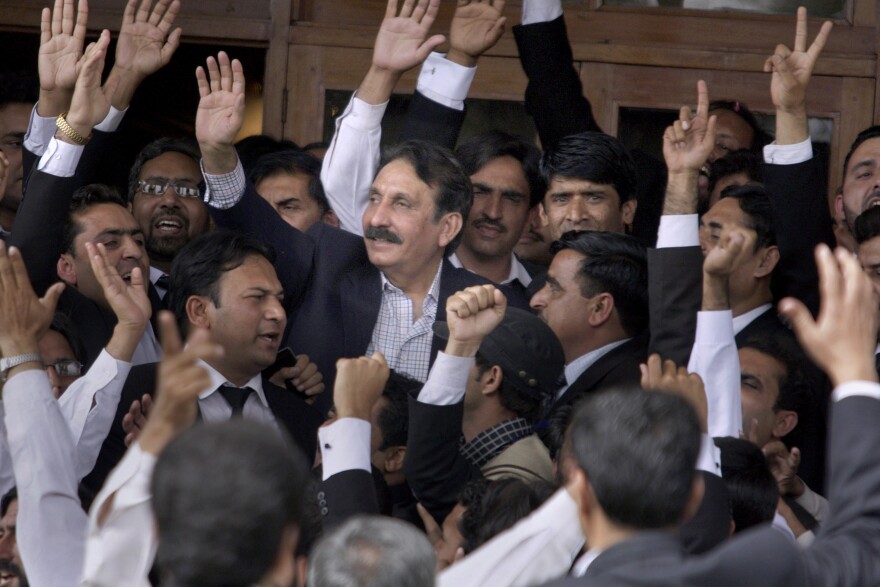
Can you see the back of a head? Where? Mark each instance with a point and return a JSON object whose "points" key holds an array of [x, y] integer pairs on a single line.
{"points": [[223, 497], [373, 551], [638, 450], [752, 488], [479, 150], [617, 264], [742, 161], [594, 157]]}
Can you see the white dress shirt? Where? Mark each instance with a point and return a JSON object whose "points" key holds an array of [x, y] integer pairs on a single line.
{"points": [[214, 407]]}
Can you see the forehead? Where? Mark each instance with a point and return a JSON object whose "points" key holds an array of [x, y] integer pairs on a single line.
{"points": [[763, 366], [11, 513], [14, 117], [172, 165], [54, 346], [293, 184], [734, 126], [565, 265], [869, 252], [504, 170], [399, 176], [102, 217], [576, 185], [255, 272], [867, 151], [726, 211]]}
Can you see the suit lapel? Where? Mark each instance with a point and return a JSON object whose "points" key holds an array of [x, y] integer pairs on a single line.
{"points": [[594, 375], [361, 297]]}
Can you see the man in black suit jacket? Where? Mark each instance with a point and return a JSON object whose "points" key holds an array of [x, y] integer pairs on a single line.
{"points": [[596, 302], [224, 283], [644, 552]]}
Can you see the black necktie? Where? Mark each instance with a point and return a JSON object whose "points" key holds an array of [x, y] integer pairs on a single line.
{"points": [[162, 283], [877, 363], [235, 397]]}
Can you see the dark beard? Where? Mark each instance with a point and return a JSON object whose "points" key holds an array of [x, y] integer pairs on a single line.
{"points": [[12, 568]]}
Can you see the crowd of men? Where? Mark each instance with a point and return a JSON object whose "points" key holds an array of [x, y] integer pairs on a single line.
{"points": [[456, 363]]}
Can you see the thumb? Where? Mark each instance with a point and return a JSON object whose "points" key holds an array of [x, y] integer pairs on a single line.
{"points": [[429, 45], [500, 301], [799, 317], [50, 300]]}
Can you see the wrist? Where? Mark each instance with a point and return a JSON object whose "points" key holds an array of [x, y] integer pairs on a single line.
{"points": [[462, 348], [846, 372], [797, 487], [378, 84], [53, 102], [682, 192], [218, 158], [19, 346], [80, 124], [124, 341], [462, 58], [715, 293], [792, 127]]}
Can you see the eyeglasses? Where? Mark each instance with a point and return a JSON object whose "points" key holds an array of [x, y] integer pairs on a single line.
{"points": [[67, 368], [152, 188]]}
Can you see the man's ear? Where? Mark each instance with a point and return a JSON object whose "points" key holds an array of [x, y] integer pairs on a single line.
{"points": [[330, 218], [768, 261], [450, 226], [698, 489], [198, 311], [66, 269], [394, 457], [628, 211], [786, 420], [602, 308], [838, 208], [490, 382]]}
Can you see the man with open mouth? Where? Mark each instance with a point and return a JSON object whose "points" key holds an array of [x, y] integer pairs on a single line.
{"points": [[11, 570]]}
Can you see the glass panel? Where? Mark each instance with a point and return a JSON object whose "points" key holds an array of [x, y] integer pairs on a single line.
{"points": [[818, 8]]}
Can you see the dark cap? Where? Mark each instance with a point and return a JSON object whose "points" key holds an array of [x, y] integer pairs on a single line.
{"points": [[529, 354]]}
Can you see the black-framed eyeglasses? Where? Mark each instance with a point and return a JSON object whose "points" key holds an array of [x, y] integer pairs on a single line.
{"points": [[67, 368], [156, 188]]}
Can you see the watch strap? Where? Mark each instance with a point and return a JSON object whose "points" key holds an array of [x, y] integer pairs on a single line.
{"points": [[7, 363]]}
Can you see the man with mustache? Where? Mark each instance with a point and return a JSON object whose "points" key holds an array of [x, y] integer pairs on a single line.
{"points": [[11, 570]]}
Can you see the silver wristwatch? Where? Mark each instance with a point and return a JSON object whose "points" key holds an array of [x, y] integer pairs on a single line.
{"points": [[7, 363]]}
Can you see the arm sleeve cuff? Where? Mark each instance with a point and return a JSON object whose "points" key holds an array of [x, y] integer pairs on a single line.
{"points": [[535, 11], [678, 230], [362, 116], [224, 191], [60, 158], [345, 445], [41, 129], [112, 120], [709, 457], [78, 400], [856, 388], [788, 154], [715, 327], [445, 82], [447, 380]]}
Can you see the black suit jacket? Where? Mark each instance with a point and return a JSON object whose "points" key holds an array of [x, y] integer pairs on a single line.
{"points": [[617, 368], [675, 281], [332, 291], [299, 419], [845, 551]]}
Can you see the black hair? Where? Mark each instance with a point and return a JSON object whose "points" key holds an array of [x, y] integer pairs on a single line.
{"points": [[760, 138], [316, 145], [18, 87], [741, 161], [867, 225], [511, 398], [501, 503], [197, 270], [84, 198], [755, 204], [437, 167], [7, 499], [613, 263], [753, 491], [552, 431], [638, 450], [483, 148], [872, 132], [158, 147], [63, 325], [251, 148], [796, 386], [290, 162], [208, 539], [393, 419], [594, 157]]}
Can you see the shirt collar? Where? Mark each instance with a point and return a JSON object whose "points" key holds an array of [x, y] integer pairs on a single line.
{"points": [[517, 271], [490, 442], [256, 383], [743, 320], [433, 293], [577, 367]]}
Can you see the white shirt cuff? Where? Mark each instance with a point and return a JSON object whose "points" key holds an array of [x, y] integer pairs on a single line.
{"points": [[535, 11], [709, 457], [678, 230], [856, 388], [445, 82], [362, 116], [60, 158], [40, 131], [447, 380], [345, 445], [788, 154], [112, 120], [715, 327]]}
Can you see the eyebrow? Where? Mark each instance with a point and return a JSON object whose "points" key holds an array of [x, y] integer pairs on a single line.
{"points": [[120, 232], [163, 178], [752, 379], [277, 293], [553, 282], [14, 134], [862, 165], [287, 201]]}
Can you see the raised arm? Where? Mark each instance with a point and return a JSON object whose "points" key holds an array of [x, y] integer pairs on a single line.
{"points": [[353, 156]]}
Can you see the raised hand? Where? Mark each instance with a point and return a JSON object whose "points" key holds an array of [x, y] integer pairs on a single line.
{"points": [[402, 41], [181, 379], [842, 339], [660, 375], [476, 27], [688, 143], [145, 45], [792, 69], [221, 111], [91, 100], [4, 174], [24, 317], [724, 259], [784, 466], [304, 376], [471, 315], [358, 386], [61, 47], [134, 421]]}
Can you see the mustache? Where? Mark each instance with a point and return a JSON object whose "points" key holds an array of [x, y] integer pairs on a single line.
{"points": [[382, 233], [7, 566], [486, 221], [169, 212]]}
